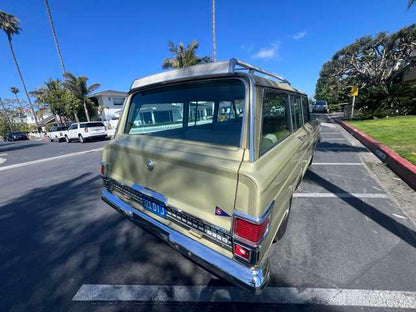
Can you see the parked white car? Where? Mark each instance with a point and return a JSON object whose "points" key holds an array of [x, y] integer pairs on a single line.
{"points": [[57, 133], [83, 131]]}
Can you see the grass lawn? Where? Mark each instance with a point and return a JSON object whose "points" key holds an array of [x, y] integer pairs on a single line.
{"points": [[398, 133]]}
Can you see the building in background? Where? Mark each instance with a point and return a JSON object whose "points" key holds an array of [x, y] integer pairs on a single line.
{"points": [[110, 104]]}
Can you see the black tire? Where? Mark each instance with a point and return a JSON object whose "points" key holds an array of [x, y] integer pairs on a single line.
{"points": [[67, 139], [282, 229], [81, 138]]}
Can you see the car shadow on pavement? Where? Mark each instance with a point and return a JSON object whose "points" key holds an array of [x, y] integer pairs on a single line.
{"points": [[402, 231], [55, 239], [14, 146]]}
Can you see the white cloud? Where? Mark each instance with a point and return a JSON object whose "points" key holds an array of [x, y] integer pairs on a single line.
{"points": [[268, 53], [299, 35]]}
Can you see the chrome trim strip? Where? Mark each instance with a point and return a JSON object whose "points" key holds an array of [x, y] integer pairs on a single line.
{"points": [[257, 220], [252, 129], [260, 220], [254, 279], [145, 191]]}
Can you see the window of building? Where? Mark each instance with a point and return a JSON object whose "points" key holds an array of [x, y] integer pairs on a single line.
{"points": [[118, 100], [275, 126]]}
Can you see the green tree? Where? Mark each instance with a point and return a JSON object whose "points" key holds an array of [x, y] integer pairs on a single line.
{"points": [[370, 63], [184, 56], [61, 101], [10, 25], [78, 86]]}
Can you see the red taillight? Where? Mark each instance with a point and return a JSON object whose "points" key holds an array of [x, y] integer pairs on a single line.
{"points": [[242, 251], [102, 169], [250, 231]]}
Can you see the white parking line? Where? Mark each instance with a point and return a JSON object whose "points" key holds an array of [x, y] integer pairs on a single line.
{"points": [[33, 162], [336, 148], [333, 139], [340, 195], [337, 164], [271, 295]]}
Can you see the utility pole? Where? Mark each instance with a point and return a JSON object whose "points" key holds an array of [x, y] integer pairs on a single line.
{"points": [[7, 116], [214, 40]]}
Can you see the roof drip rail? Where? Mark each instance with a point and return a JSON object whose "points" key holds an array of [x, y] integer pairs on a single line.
{"points": [[252, 69]]}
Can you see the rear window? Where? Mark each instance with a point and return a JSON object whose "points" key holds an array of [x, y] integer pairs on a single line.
{"points": [[205, 111], [92, 124], [320, 103]]}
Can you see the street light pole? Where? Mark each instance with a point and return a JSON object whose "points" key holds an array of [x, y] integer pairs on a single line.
{"points": [[214, 41], [352, 107]]}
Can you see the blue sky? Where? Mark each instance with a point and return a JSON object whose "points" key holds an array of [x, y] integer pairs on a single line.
{"points": [[114, 42]]}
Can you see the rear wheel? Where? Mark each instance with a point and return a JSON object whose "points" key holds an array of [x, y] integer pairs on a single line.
{"points": [[283, 226], [81, 138]]}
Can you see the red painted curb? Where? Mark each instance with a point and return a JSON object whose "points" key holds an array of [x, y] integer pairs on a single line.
{"points": [[403, 168]]}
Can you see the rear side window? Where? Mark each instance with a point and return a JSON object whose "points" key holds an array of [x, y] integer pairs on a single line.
{"points": [[296, 111], [209, 111], [305, 109], [275, 125]]}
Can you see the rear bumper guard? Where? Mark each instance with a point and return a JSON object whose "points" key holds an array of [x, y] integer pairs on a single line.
{"points": [[252, 279]]}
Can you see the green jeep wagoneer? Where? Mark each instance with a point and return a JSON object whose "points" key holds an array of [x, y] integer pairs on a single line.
{"points": [[207, 158]]}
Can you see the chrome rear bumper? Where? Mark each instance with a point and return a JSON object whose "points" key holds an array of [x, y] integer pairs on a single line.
{"points": [[252, 279]]}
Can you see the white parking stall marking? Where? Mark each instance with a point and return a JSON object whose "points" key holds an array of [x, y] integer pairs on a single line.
{"points": [[2, 160], [339, 195], [33, 162], [333, 139], [271, 295], [336, 164]]}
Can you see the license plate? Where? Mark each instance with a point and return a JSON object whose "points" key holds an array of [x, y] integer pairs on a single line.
{"points": [[153, 207]]}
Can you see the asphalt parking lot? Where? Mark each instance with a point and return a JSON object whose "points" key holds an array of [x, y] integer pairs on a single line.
{"points": [[349, 246]]}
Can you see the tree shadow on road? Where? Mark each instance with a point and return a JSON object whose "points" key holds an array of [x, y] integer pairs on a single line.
{"points": [[14, 146], [55, 239], [400, 230]]}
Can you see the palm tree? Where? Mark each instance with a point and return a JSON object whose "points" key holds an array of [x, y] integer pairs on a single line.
{"points": [[78, 86], [15, 91], [184, 57], [55, 37], [10, 25]]}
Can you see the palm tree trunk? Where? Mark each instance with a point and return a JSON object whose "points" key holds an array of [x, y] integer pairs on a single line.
{"points": [[23, 82], [87, 115], [7, 116], [55, 37], [76, 117]]}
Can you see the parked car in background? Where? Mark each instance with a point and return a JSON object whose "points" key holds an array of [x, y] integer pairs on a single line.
{"points": [[320, 106], [84, 131], [57, 133], [207, 158], [15, 136]]}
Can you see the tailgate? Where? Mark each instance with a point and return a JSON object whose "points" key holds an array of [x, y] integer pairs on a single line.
{"points": [[196, 178]]}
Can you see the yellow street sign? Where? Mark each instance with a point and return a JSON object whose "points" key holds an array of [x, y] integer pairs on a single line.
{"points": [[354, 91]]}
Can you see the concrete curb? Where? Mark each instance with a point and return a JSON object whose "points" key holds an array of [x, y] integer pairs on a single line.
{"points": [[403, 168]]}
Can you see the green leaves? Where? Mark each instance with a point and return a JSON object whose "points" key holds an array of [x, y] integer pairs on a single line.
{"points": [[372, 63], [184, 56], [9, 24]]}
